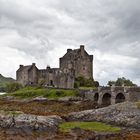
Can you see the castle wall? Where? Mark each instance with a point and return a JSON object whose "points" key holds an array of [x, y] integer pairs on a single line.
{"points": [[56, 78]]}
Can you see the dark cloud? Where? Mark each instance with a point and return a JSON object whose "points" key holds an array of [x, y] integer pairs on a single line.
{"points": [[41, 31]]}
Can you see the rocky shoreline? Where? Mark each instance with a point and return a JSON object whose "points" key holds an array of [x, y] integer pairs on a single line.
{"points": [[19, 125], [18, 120]]}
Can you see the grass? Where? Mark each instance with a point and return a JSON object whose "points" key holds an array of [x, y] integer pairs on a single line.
{"points": [[93, 126], [138, 104], [32, 92], [87, 88]]}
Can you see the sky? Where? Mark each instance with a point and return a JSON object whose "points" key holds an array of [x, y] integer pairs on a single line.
{"points": [[40, 31]]}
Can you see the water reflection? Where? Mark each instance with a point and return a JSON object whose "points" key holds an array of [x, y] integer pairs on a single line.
{"points": [[2, 93]]}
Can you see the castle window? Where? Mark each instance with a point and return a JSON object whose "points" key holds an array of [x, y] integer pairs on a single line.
{"points": [[51, 83]]}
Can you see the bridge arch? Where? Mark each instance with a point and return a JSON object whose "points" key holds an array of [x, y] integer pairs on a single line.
{"points": [[96, 97], [120, 97], [106, 99]]}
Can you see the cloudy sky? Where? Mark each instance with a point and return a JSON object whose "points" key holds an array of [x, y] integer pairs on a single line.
{"points": [[41, 30]]}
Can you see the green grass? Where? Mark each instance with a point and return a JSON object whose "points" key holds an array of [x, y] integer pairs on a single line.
{"points": [[32, 92], [93, 126], [87, 88]]}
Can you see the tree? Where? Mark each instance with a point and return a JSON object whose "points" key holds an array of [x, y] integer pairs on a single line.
{"points": [[111, 83], [121, 81]]}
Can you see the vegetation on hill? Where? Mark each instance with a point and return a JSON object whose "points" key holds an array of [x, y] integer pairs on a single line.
{"points": [[121, 81], [4, 81], [93, 126], [32, 92]]}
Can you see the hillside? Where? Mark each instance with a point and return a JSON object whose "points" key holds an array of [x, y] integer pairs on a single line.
{"points": [[4, 81]]}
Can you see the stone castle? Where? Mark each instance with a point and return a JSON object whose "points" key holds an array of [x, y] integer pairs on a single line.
{"points": [[73, 64]]}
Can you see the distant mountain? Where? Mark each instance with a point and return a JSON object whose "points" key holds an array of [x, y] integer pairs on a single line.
{"points": [[4, 81]]}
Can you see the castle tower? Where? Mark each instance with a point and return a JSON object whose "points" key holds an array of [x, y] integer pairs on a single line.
{"points": [[78, 60]]}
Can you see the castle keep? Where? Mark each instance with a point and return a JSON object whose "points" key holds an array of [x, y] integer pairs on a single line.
{"points": [[73, 64]]}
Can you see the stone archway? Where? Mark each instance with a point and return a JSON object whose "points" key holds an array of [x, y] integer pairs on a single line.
{"points": [[106, 99], [96, 97], [119, 98]]}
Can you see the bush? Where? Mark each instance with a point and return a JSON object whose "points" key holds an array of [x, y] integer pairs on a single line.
{"points": [[12, 87], [84, 82]]}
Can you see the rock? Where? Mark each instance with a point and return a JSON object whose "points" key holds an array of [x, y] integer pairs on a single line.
{"points": [[78, 133], [65, 99], [32, 122], [8, 97], [39, 99], [124, 114]]}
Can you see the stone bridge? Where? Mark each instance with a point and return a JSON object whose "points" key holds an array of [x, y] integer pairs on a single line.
{"points": [[113, 95]]}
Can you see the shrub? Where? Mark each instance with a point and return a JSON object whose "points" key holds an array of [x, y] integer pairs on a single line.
{"points": [[84, 82]]}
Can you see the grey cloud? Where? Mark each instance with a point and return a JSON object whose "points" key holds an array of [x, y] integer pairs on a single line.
{"points": [[42, 30]]}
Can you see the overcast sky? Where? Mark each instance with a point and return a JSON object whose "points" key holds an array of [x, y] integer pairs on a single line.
{"points": [[40, 31]]}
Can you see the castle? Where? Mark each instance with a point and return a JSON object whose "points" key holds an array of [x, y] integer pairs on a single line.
{"points": [[73, 64]]}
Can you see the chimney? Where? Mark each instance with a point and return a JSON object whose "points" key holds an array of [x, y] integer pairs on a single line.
{"points": [[48, 67], [69, 50], [82, 47], [33, 64], [21, 66]]}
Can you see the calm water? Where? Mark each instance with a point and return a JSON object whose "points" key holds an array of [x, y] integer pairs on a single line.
{"points": [[2, 93]]}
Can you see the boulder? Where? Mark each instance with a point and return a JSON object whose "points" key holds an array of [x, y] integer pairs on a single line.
{"points": [[32, 122]]}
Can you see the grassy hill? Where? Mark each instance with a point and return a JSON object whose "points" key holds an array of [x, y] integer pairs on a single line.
{"points": [[4, 81]]}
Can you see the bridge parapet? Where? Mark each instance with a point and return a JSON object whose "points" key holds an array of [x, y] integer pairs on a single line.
{"points": [[105, 88], [113, 94], [134, 89], [117, 88]]}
